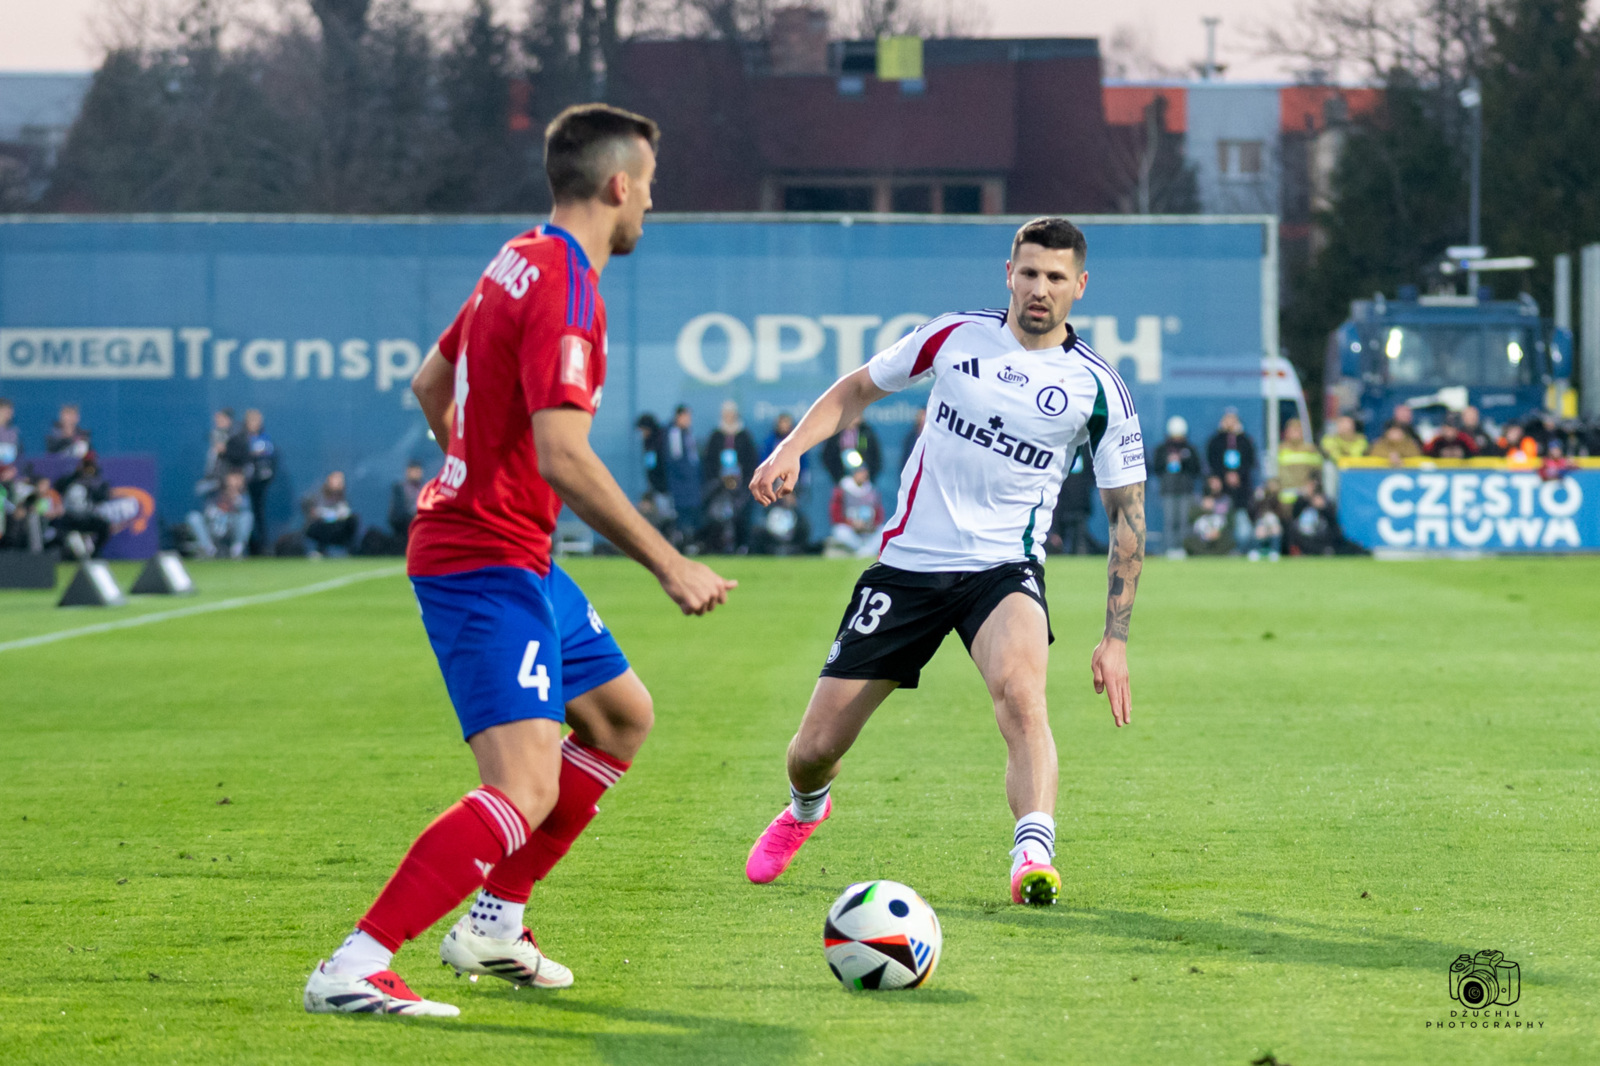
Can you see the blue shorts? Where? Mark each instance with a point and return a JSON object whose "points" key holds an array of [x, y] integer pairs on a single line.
{"points": [[514, 645]]}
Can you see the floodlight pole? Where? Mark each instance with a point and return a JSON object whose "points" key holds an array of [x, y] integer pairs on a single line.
{"points": [[1472, 100]]}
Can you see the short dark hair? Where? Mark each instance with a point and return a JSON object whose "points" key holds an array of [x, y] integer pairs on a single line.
{"points": [[1051, 232], [580, 143]]}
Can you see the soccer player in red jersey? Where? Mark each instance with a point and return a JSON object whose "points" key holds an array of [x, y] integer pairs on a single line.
{"points": [[510, 391]]}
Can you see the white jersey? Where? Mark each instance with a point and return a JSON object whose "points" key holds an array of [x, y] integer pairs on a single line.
{"points": [[979, 489]]}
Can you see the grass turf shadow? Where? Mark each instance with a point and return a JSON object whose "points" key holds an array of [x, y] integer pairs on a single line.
{"points": [[1360, 951]]}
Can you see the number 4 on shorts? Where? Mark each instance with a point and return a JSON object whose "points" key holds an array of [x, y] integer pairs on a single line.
{"points": [[532, 675]]}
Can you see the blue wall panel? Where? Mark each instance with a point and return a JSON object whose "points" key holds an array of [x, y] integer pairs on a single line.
{"points": [[320, 322]]}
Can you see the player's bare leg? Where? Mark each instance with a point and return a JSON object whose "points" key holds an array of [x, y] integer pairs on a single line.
{"points": [[518, 763], [838, 711], [609, 726], [614, 718], [1012, 652]]}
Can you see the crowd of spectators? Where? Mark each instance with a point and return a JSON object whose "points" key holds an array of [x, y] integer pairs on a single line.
{"points": [[68, 512], [1211, 506], [697, 492]]}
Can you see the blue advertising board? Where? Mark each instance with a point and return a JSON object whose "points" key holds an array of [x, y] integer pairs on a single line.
{"points": [[151, 323], [1470, 510]]}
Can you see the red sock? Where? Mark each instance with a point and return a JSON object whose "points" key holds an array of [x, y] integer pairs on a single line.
{"points": [[586, 773], [444, 865]]}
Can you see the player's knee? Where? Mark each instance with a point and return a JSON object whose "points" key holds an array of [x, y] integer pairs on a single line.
{"points": [[534, 797], [812, 753], [634, 724], [1020, 701]]}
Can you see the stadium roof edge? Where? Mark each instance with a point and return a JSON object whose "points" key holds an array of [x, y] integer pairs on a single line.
{"points": [[843, 219]]}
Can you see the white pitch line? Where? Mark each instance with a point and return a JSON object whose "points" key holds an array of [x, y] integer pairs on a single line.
{"points": [[201, 608]]}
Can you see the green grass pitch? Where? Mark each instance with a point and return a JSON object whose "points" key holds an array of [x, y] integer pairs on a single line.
{"points": [[1340, 775]]}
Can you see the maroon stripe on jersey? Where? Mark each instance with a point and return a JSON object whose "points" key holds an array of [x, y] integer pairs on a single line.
{"points": [[911, 499], [930, 348]]}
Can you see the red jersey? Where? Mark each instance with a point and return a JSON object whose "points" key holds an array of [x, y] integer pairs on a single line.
{"points": [[532, 336]]}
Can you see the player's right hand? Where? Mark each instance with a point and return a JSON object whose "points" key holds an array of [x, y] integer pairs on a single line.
{"points": [[776, 477], [695, 587]]}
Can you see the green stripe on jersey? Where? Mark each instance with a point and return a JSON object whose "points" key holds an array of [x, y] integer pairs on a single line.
{"points": [[1027, 534], [1097, 418]]}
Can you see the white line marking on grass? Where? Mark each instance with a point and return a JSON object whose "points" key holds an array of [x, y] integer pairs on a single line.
{"points": [[201, 608]]}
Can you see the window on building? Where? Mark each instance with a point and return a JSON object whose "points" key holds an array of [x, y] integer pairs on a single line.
{"points": [[1240, 159], [827, 198], [912, 199], [963, 199]]}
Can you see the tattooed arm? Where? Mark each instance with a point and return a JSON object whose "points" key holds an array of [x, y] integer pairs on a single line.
{"points": [[1109, 664]]}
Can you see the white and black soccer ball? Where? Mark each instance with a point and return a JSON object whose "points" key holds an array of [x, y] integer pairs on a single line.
{"points": [[881, 934]]}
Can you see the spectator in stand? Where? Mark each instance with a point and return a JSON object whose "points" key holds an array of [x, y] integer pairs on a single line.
{"points": [[856, 512], [782, 426], [1211, 526], [1314, 526], [80, 526], [10, 436], [67, 436], [683, 469], [919, 418], [217, 463], [782, 529], [251, 451], [652, 444], [403, 503], [855, 445], [1556, 465], [1298, 460], [1483, 444], [226, 520], [1178, 466], [1267, 514], [1519, 449], [330, 523], [1450, 442], [14, 493], [1231, 456], [1069, 525], [1396, 445], [730, 446], [1345, 441], [37, 507], [727, 514], [1406, 419]]}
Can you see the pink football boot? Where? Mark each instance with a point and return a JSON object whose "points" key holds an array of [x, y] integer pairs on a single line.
{"points": [[777, 846]]}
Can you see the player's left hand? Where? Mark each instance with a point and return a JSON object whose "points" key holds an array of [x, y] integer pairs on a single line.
{"points": [[776, 477], [1109, 664]]}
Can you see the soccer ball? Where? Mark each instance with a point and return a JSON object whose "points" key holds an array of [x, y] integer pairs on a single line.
{"points": [[881, 934]]}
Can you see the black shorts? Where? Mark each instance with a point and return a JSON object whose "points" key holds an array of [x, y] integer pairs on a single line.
{"points": [[898, 618]]}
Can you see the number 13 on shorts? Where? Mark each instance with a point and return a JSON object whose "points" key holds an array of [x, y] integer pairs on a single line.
{"points": [[532, 674]]}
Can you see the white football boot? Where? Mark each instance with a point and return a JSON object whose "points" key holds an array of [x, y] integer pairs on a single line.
{"points": [[519, 961], [379, 993]]}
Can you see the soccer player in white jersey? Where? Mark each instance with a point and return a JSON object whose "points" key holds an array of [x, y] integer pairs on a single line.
{"points": [[1015, 395]]}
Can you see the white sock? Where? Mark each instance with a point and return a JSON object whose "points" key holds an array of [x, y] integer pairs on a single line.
{"points": [[359, 956], [1035, 840], [495, 917], [808, 806]]}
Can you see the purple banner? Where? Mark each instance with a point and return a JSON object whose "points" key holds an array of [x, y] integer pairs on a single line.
{"points": [[132, 507]]}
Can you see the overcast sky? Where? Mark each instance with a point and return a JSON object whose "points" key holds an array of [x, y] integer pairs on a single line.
{"points": [[56, 34]]}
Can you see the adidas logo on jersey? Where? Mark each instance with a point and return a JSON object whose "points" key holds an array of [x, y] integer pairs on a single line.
{"points": [[990, 437], [969, 367]]}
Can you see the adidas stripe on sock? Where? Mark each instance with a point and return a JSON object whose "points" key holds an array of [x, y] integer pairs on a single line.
{"points": [[1035, 839], [808, 806]]}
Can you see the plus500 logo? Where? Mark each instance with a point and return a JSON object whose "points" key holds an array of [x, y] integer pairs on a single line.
{"points": [[715, 348], [1470, 510]]}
